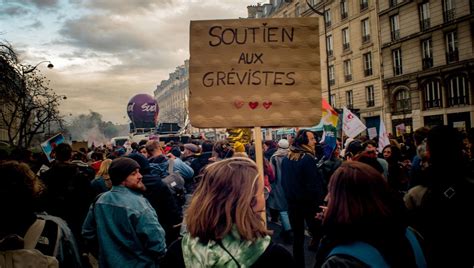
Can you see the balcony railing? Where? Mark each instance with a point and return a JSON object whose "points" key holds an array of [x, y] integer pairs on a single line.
{"points": [[427, 63], [330, 53], [425, 24], [395, 35], [344, 15], [458, 100], [327, 23], [368, 72], [346, 46], [370, 103], [452, 56], [350, 106], [449, 15], [332, 82], [366, 38], [348, 77], [432, 103]]}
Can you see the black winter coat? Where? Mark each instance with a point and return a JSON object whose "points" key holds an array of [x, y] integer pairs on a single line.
{"points": [[302, 181]]}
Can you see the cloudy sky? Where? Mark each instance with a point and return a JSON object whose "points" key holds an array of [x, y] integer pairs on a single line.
{"points": [[106, 51]]}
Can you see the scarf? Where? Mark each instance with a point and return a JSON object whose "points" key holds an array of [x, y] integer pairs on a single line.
{"points": [[297, 152], [246, 253]]}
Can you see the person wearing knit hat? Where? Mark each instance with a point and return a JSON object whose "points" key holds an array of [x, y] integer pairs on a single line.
{"points": [[283, 144], [123, 214], [239, 147], [125, 171]]}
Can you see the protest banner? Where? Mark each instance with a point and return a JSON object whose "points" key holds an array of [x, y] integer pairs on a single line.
{"points": [[50, 144], [255, 72], [352, 126], [372, 132]]}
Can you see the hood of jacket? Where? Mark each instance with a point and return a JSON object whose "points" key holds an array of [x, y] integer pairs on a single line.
{"points": [[213, 254]]}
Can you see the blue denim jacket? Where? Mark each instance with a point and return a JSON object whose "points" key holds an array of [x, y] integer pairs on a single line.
{"points": [[127, 229]]}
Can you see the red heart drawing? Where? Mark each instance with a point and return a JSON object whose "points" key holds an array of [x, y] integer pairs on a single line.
{"points": [[253, 105], [238, 104], [267, 104]]}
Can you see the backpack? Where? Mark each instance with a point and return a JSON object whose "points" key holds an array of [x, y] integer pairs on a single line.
{"points": [[27, 255], [175, 182], [369, 255]]}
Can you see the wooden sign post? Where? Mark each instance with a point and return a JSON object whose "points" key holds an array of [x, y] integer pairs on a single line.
{"points": [[255, 73]]}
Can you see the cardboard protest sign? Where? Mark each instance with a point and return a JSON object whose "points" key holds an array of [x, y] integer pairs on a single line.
{"points": [[51, 143], [77, 145], [255, 72], [372, 132]]}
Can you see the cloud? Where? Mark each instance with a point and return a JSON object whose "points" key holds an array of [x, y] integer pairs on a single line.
{"points": [[44, 3], [37, 3], [35, 25], [126, 6], [13, 11]]}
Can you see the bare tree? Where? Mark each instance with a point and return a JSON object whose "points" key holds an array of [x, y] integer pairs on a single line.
{"points": [[28, 105]]}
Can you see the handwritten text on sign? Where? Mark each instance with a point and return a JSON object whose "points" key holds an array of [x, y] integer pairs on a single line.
{"points": [[247, 73]]}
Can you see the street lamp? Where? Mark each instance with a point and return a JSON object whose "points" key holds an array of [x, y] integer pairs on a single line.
{"points": [[50, 66], [325, 40]]}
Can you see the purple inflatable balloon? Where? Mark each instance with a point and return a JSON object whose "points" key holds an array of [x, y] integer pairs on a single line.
{"points": [[143, 111]]}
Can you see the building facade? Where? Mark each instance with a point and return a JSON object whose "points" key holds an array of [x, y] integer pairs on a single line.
{"points": [[350, 51], [428, 58], [172, 96]]}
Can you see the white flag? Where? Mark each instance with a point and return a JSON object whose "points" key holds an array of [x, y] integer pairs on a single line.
{"points": [[351, 124], [383, 136]]}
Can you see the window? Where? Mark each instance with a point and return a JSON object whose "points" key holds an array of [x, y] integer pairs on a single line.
{"points": [[344, 9], [332, 75], [332, 100], [424, 10], [370, 96], [427, 53], [458, 91], [297, 10], [364, 4], [349, 99], [397, 61], [365, 30], [347, 70], [452, 47], [432, 94], [448, 10], [345, 39], [327, 17], [402, 101], [367, 64], [393, 3], [395, 27], [329, 46]]}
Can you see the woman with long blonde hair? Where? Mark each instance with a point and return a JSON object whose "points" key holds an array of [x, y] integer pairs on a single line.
{"points": [[102, 182], [224, 223]]}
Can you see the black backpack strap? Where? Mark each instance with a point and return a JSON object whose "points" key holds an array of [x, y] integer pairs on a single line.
{"points": [[219, 242]]}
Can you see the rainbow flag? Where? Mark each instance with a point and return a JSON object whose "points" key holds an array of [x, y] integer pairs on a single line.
{"points": [[329, 115]]}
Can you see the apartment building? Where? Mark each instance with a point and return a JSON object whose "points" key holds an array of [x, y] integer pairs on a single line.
{"points": [[350, 52], [172, 96], [428, 60]]}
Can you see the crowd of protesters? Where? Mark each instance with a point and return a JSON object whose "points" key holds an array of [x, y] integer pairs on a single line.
{"points": [[200, 204]]}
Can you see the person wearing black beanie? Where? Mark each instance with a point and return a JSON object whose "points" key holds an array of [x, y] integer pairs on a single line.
{"points": [[129, 234], [121, 168]]}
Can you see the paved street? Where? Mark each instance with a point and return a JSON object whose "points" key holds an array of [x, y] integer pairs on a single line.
{"points": [[309, 255]]}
